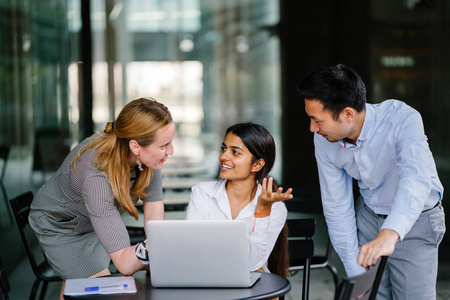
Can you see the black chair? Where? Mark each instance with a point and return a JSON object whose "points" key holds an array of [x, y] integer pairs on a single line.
{"points": [[301, 249], [4, 283], [4, 153], [308, 205], [365, 284], [43, 271]]}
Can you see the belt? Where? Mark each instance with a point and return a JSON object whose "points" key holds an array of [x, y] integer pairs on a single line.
{"points": [[437, 204]]}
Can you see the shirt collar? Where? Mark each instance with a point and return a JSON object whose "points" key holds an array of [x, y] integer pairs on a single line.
{"points": [[365, 130], [369, 118], [219, 192]]}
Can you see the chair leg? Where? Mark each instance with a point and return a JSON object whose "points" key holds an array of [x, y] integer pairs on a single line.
{"points": [[334, 272], [35, 288], [306, 276], [43, 290]]}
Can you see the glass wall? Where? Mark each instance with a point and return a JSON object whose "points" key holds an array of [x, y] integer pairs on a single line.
{"points": [[37, 48], [38, 52], [211, 62]]}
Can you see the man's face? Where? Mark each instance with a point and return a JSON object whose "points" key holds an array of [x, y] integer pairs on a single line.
{"points": [[323, 123]]}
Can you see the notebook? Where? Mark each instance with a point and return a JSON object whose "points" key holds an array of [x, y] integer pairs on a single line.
{"points": [[199, 253], [101, 285]]}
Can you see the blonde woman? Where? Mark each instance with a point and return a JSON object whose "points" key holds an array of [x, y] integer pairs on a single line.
{"points": [[77, 214]]}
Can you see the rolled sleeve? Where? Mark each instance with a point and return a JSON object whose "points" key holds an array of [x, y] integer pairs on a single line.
{"points": [[414, 171]]}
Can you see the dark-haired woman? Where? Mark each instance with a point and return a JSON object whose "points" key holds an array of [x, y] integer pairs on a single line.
{"points": [[245, 193]]}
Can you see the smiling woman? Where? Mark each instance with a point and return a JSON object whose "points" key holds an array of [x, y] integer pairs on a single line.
{"points": [[76, 215], [154, 155], [245, 193]]}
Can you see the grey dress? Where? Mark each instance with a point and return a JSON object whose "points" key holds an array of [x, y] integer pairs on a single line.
{"points": [[77, 220]]}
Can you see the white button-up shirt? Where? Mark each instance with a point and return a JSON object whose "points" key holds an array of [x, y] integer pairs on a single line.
{"points": [[395, 170], [209, 201]]}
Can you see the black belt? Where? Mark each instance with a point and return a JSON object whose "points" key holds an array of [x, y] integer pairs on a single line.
{"points": [[385, 216]]}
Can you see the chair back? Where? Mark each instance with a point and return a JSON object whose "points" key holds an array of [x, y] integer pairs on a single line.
{"points": [[301, 248], [365, 284], [300, 233], [4, 283], [44, 272], [21, 209], [307, 204]]}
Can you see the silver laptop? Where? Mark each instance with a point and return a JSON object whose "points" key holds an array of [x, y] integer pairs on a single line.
{"points": [[193, 253]]}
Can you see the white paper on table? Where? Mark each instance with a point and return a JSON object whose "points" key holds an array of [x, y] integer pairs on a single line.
{"points": [[101, 285]]}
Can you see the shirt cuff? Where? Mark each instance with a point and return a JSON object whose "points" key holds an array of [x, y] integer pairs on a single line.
{"points": [[353, 269], [398, 224]]}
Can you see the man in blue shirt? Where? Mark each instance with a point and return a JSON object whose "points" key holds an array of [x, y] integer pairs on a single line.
{"points": [[383, 146]]}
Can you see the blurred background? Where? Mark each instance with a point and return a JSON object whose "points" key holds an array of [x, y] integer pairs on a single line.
{"points": [[69, 66]]}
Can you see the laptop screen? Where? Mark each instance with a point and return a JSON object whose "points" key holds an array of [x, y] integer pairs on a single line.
{"points": [[198, 253]]}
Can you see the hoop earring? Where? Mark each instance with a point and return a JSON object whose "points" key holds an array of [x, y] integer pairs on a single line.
{"points": [[139, 163]]}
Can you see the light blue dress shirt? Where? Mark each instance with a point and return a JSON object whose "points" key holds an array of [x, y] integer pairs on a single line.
{"points": [[395, 170]]}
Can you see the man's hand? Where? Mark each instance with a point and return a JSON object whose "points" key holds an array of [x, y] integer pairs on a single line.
{"points": [[382, 245]]}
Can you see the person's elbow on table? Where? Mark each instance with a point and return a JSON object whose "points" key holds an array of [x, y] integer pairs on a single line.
{"points": [[125, 261]]}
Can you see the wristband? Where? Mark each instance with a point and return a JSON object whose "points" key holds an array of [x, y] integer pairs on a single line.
{"points": [[142, 253], [259, 215]]}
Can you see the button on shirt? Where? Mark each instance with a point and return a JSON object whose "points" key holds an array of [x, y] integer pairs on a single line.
{"points": [[395, 170], [209, 201]]}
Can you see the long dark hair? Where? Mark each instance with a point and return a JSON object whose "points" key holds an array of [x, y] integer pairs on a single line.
{"points": [[261, 144]]}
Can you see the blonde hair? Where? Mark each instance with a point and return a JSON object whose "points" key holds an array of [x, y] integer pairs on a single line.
{"points": [[139, 120]]}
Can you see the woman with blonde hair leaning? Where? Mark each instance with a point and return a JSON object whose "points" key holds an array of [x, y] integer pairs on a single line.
{"points": [[76, 215], [245, 192]]}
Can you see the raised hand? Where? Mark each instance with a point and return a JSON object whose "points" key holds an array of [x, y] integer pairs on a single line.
{"points": [[268, 197]]}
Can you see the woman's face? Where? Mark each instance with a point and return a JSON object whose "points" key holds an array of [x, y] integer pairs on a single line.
{"points": [[235, 159], [154, 155]]}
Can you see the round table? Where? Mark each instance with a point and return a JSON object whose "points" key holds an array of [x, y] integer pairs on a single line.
{"points": [[269, 286]]}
